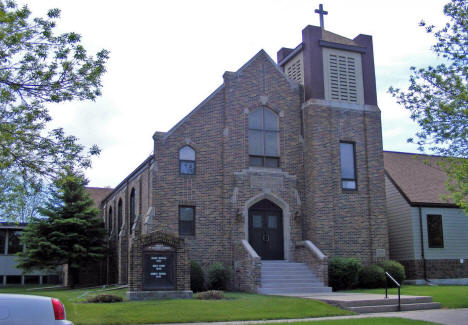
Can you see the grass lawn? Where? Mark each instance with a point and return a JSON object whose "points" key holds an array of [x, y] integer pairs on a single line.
{"points": [[363, 321], [239, 306], [448, 296]]}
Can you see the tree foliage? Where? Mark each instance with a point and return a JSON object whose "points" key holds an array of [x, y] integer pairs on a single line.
{"points": [[38, 67], [71, 233], [20, 201], [438, 99]]}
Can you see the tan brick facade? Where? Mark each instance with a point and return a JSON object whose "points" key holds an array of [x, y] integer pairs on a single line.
{"points": [[344, 223], [306, 186]]}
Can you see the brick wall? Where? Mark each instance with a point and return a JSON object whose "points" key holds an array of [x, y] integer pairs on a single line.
{"points": [[247, 269], [344, 223], [182, 265], [436, 269]]}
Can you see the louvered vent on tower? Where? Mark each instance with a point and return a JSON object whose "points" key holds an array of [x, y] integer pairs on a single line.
{"points": [[343, 76], [294, 69]]}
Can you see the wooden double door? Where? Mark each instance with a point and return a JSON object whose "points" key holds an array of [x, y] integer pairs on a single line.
{"points": [[266, 230]]}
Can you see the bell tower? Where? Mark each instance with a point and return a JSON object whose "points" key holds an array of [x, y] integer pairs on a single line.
{"points": [[344, 197]]}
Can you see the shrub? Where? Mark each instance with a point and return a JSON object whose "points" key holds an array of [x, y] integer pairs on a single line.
{"points": [[104, 298], [396, 270], [197, 277], [372, 276], [211, 294], [218, 276], [343, 272]]}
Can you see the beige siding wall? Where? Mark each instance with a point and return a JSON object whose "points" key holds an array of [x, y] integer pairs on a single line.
{"points": [[400, 224], [455, 228]]}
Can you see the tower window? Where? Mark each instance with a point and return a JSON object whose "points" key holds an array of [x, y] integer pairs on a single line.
{"points": [[263, 138], [348, 166], [187, 161]]}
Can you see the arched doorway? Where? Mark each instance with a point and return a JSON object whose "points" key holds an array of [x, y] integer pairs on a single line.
{"points": [[266, 230]]}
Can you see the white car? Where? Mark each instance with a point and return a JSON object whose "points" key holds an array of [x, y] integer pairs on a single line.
{"points": [[31, 310]]}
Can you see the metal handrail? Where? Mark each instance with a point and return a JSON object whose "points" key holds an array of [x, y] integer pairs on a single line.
{"points": [[388, 276]]}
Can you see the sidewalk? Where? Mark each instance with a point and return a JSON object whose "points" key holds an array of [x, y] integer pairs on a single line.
{"points": [[440, 316]]}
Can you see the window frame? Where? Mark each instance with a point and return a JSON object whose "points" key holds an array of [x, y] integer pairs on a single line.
{"points": [[132, 206], [9, 232], [193, 221], [181, 161], [119, 215], [354, 169], [3, 246], [110, 222], [430, 239], [263, 131]]}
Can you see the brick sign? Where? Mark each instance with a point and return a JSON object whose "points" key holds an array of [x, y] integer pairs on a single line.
{"points": [[158, 268]]}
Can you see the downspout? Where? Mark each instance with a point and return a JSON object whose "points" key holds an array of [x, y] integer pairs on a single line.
{"points": [[422, 245]]}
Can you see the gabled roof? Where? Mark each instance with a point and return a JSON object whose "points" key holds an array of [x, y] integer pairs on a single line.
{"points": [[419, 178], [98, 194], [262, 52]]}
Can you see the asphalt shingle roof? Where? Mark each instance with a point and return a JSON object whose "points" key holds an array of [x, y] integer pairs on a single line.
{"points": [[419, 177], [98, 193]]}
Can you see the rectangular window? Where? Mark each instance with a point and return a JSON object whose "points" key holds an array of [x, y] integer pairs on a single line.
{"points": [[13, 279], [2, 241], [14, 244], [348, 166], [435, 232], [50, 279], [186, 220], [187, 167], [31, 279]]}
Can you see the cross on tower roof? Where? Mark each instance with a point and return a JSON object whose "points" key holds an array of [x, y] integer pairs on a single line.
{"points": [[322, 13]]}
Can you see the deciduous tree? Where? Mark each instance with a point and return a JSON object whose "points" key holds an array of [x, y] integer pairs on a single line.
{"points": [[20, 201], [438, 99], [37, 68]]}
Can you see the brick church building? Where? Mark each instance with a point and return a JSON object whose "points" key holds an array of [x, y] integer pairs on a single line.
{"points": [[282, 162]]}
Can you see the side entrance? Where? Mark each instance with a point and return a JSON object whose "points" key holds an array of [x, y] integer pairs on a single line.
{"points": [[266, 230]]}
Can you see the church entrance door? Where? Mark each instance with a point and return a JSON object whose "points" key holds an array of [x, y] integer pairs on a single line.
{"points": [[266, 230]]}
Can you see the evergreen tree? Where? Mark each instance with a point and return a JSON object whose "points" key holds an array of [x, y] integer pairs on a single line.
{"points": [[70, 231]]}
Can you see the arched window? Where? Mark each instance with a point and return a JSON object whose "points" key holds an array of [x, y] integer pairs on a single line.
{"points": [[263, 138], [132, 207], [119, 215], [187, 161], [110, 220]]}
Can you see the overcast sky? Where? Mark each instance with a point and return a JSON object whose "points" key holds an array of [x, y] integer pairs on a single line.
{"points": [[167, 56]]}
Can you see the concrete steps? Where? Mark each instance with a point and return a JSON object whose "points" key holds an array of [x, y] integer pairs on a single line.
{"points": [[283, 277], [378, 304]]}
